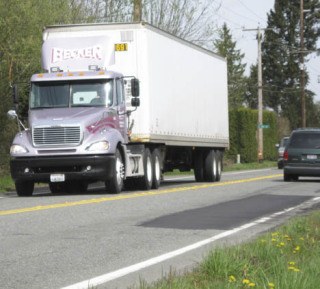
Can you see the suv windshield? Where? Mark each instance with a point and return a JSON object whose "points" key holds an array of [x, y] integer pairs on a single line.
{"points": [[308, 140], [71, 94]]}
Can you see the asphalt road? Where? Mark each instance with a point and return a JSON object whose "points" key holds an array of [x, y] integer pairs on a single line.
{"points": [[83, 240]]}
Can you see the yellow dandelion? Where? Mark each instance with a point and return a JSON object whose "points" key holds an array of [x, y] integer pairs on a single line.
{"points": [[274, 234], [291, 268], [274, 240], [271, 285], [291, 263], [296, 270], [287, 237], [251, 284], [232, 279], [246, 281]]}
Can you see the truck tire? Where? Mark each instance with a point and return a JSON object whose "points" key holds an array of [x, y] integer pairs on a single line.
{"points": [[145, 182], [219, 157], [24, 188], [115, 184], [198, 166], [210, 166], [156, 169]]}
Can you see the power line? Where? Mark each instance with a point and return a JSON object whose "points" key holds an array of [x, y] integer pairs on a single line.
{"points": [[238, 14], [254, 13]]}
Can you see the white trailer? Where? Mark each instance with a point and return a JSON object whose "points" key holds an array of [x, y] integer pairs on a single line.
{"points": [[182, 120]]}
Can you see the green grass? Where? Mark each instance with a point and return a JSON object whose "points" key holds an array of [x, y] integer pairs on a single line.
{"points": [[285, 259], [249, 166], [6, 184]]}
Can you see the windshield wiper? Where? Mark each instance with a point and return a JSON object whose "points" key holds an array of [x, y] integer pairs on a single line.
{"points": [[42, 107]]}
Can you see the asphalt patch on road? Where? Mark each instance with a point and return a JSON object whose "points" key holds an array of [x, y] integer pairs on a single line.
{"points": [[228, 215]]}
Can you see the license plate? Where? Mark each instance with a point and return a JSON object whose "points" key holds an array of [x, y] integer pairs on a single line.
{"points": [[56, 178], [311, 157]]}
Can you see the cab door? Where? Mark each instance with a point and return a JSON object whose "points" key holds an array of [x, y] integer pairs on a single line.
{"points": [[121, 109]]}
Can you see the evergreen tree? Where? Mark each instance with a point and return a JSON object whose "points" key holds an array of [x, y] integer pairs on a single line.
{"points": [[251, 95], [281, 53], [226, 47]]}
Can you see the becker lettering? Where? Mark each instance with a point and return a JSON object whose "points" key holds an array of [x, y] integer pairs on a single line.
{"points": [[60, 54]]}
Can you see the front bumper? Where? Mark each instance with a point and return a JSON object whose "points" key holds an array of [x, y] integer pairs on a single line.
{"points": [[85, 168]]}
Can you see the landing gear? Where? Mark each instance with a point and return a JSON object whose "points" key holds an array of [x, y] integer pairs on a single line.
{"points": [[198, 166]]}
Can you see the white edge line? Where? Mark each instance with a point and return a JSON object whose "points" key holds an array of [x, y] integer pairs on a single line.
{"points": [[136, 267]]}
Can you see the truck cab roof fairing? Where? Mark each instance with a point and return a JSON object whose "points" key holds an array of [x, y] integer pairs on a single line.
{"points": [[77, 53]]}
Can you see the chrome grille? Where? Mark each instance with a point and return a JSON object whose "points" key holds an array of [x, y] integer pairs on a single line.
{"points": [[56, 135]]}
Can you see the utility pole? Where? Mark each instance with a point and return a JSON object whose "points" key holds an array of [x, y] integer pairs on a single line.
{"points": [[260, 104], [137, 11], [302, 76], [260, 95]]}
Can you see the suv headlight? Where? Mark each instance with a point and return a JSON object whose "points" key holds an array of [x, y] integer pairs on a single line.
{"points": [[100, 146], [18, 149]]}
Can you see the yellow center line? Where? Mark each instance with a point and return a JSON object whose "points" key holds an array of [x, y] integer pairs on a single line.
{"points": [[134, 195]]}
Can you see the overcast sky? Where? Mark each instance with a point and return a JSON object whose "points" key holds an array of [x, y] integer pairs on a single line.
{"points": [[249, 14]]}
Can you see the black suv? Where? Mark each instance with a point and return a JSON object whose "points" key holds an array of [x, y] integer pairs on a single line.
{"points": [[302, 154]]}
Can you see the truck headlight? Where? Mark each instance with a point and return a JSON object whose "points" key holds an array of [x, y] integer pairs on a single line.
{"points": [[18, 149], [98, 146]]}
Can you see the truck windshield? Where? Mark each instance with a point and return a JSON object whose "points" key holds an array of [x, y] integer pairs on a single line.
{"points": [[71, 94]]}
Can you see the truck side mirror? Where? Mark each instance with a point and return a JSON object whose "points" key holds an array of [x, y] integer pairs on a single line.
{"points": [[15, 95], [135, 102], [135, 87], [12, 114]]}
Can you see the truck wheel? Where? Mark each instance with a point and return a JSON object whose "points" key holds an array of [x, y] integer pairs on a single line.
{"points": [[198, 166], [156, 169], [210, 166], [219, 165], [145, 182], [24, 188], [115, 184]]}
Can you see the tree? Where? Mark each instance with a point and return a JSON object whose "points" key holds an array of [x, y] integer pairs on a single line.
{"points": [[88, 11], [21, 24], [281, 52], [226, 47], [251, 94], [187, 19], [137, 10]]}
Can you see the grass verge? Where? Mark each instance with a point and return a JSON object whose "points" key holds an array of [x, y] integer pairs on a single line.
{"points": [[6, 184], [249, 166], [287, 258]]}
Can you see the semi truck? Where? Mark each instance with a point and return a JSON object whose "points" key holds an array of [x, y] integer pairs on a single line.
{"points": [[121, 104]]}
